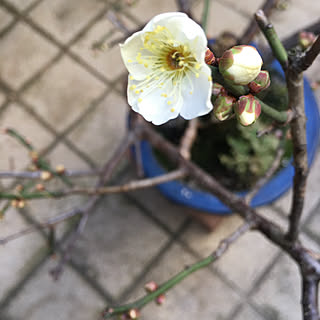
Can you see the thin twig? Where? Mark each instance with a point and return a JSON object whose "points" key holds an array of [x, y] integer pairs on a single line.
{"points": [[221, 249], [38, 174], [306, 61], [188, 138], [205, 14], [253, 28], [130, 186], [269, 32]]}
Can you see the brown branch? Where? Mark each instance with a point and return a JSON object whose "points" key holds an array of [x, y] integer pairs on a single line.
{"points": [[300, 159], [306, 61], [310, 298], [188, 138], [252, 28], [270, 172], [272, 231]]}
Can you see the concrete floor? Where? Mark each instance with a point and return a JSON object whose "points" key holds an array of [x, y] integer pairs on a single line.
{"points": [[67, 98]]}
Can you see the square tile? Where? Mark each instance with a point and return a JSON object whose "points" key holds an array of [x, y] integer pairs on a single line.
{"points": [[248, 7], [247, 313], [42, 298], [2, 98], [21, 4], [278, 297], [117, 243], [245, 260], [63, 93], [99, 134], [170, 214], [107, 60], [143, 11], [221, 18], [313, 225], [312, 192], [21, 60], [17, 256], [202, 295], [63, 19], [14, 155], [5, 18], [297, 15]]}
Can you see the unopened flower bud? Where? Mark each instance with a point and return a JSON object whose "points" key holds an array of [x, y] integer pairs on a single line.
{"points": [[247, 109], [134, 314], [15, 203], [151, 286], [21, 204], [209, 57], [60, 169], [306, 39], [240, 64], [34, 156], [46, 175], [217, 89], [160, 299], [40, 187], [261, 82], [223, 107]]}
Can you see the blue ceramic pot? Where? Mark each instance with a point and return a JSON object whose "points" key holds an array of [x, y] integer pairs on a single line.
{"points": [[183, 194]]}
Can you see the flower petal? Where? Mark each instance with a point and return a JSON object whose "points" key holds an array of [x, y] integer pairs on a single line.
{"points": [[199, 102], [154, 105], [129, 51]]}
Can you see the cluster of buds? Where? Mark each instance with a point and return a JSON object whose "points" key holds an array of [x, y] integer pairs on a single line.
{"points": [[240, 65], [153, 286]]}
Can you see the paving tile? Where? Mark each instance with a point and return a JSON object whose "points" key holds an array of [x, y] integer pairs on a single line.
{"points": [[21, 4], [5, 18], [17, 256], [200, 296], [117, 243], [42, 298], [62, 94], [247, 313], [143, 11], [64, 19], [252, 249], [197, 237], [298, 14], [248, 7], [14, 156], [279, 295], [107, 60], [21, 59], [222, 18], [100, 133], [312, 192], [169, 213], [2, 98], [313, 225]]}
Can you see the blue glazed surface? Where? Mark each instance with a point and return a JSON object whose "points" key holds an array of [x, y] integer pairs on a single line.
{"points": [[279, 184]]}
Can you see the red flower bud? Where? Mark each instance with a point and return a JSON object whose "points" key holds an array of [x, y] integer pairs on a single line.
{"points": [[261, 82]]}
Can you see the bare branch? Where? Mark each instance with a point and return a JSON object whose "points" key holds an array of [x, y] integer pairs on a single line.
{"points": [[307, 60], [310, 310], [188, 138]]}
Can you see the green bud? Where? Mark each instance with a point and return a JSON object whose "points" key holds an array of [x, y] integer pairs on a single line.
{"points": [[223, 107], [247, 109], [261, 82]]}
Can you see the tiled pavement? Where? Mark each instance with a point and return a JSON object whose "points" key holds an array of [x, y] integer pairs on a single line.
{"points": [[67, 98]]}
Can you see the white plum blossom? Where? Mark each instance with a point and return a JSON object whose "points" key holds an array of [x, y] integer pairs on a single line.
{"points": [[167, 72]]}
